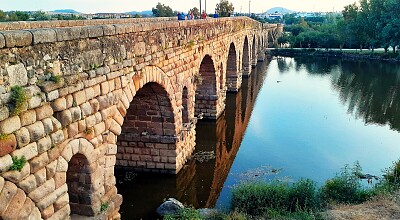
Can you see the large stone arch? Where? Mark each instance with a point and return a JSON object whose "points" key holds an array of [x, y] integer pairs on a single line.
{"points": [[246, 64], [206, 89], [233, 77]]}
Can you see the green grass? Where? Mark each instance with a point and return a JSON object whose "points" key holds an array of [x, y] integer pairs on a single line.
{"points": [[55, 78], [184, 214], [18, 163], [19, 100], [104, 206]]}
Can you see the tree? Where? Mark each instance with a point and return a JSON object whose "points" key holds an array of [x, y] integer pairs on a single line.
{"points": [[3, 16], [18, 16], [224, 8], [195, 11], [40, 16], [162, 10]]}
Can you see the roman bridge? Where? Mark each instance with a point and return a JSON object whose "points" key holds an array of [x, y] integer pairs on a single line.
{"points": [[78, 98]]}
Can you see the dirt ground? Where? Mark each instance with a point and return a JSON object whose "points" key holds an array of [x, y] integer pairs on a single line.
{"points": [[380, 208]]}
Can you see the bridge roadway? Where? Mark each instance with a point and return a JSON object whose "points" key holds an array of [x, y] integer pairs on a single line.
{"points": [[78, 98]]}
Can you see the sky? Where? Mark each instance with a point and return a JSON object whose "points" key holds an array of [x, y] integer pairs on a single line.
{"points": [[118, 6]]}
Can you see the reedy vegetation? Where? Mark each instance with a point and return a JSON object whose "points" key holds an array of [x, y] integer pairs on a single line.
{"points": [[301, 199]]}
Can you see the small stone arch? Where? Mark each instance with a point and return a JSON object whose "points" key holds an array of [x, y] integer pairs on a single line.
{"points": [[78, 166]]}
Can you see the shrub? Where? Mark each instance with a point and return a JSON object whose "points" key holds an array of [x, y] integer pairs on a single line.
{"points": [[346, 187], [18, 100], [258, 198], [185, 213], [55, 78], [104, 206], [18, 163]]}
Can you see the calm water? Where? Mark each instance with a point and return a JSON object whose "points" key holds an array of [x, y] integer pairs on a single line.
{"points": [[301, 117]]}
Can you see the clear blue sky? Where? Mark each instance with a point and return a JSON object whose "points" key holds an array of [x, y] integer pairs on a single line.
{"points": [[91, 6]]}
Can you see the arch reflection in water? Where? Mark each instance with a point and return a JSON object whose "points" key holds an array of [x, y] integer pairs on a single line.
{"points": [[198, 183]]}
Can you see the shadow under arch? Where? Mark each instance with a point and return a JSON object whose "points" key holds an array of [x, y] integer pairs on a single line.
{"points": [[233, 77]]}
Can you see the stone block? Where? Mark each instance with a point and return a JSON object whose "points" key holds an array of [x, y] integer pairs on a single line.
{"points": [[27, 117], [4, 113], [76, 113], [62, 201], [95, 31], [62, 213], [79, 97], [59, 104], [8, 144], [36, 131], [28, 184], [43, 112], [64, 117], [48, 126], [15, 205], [26, 209], [51, 169], [39, 162], [17, 75], [35, 214], [10, 125], [5, 163], [43, 35], [62, 165], [69, 33], [47, 212], [6, 195], [60, 178], [57, 137], [2, 41], [42, 191], [108, 30], [29, 151], [40, 176], [17, 38]]}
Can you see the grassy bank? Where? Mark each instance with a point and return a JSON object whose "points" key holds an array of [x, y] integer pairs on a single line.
{"points": [[304, 200], [347, 54]]}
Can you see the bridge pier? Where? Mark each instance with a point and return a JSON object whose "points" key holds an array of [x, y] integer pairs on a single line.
{"points": [[233, 82]]}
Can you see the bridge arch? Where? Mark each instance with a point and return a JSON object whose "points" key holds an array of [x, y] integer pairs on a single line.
{"points": [[233, 77], [206, 88], [246, 57], [254, 51]]}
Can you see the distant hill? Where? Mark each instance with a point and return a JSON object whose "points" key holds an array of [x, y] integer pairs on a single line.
{"points": [[66, 11], [148, 12], [279, 10]]}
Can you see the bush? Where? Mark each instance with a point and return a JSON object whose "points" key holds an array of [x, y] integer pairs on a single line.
{"points": [[18, 100], [346, 187], [259, 199], [184, 214], [18, 163]]}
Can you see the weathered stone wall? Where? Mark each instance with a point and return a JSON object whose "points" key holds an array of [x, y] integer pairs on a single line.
{"points": [[66, 94]]}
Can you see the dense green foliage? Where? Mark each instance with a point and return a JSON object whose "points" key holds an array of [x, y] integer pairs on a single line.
{"points": [[185, 213], [162, 10], [18, 163], [369, 24], [224, 8]]}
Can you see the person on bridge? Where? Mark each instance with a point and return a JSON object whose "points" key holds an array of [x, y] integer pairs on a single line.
{"points": [[203, 15]]}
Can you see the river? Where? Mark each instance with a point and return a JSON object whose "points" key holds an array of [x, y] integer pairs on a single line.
{"points": [[293, 118]]}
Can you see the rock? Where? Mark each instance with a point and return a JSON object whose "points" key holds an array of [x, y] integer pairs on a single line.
{"points": [[17, 75], [171, 206]]}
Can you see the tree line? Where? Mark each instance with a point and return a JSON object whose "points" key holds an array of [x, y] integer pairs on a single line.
{"points": [[367, 24], [35, 16]]}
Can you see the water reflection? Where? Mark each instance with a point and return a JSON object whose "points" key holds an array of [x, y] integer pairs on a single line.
{"points": [[370, 90], [198, 183]]}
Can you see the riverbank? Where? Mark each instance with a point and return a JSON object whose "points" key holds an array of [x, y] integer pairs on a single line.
{"points": [[345, 54], [341, 197]]}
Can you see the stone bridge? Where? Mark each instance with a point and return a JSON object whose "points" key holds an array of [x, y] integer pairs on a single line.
{"points": [[78, 98]]}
